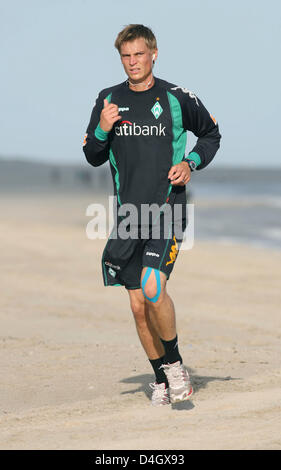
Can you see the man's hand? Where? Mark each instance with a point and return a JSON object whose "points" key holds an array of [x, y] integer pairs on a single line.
{"points": [[179, 174], [109, 115]]}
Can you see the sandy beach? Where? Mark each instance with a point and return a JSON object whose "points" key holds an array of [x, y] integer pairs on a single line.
{"points": [[73, 373]]}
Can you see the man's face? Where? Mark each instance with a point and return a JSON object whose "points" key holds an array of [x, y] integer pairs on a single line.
{"points": [[136, 58]]}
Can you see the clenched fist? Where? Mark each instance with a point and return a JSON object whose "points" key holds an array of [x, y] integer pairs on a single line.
{"points": [[109, 115]]}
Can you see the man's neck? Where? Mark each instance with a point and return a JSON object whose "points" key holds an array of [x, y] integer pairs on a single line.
{"points": [[142, 86]]}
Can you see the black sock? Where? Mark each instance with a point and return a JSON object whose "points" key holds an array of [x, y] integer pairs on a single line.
{"points": [[159, 373], [171, 351]]}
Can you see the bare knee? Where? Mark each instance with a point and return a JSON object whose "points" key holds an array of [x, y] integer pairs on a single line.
{"points": [[149, 289], [153, 297], [138, 307], [153, 286]]}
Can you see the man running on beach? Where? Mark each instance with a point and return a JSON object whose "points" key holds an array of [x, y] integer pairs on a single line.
{"points": [[140, 126]]}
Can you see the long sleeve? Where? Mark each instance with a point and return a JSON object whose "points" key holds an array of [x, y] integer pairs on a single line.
{"points": [[96, 142], [203, 125]]}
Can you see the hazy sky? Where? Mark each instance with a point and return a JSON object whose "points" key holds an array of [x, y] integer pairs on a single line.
{"points": [[56, 55]]}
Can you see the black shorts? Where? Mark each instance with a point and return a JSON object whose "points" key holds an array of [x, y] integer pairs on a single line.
{"points": [[123, 260]]}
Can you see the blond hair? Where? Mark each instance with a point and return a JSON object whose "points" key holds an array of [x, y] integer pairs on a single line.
{"points": [[135, 31]]}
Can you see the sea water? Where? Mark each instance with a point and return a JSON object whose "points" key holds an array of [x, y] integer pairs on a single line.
{"points": [[238, 206]]}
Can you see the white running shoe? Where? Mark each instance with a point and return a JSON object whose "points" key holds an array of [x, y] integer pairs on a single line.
{"points": [[160, 394], [179, 382]]}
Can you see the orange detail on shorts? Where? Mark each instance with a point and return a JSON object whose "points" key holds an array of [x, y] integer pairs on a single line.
{"points": [[212, 117], [84, 141], [174, 251]]}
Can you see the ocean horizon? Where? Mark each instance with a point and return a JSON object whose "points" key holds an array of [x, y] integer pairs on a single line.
{"points": [[231, 204]]}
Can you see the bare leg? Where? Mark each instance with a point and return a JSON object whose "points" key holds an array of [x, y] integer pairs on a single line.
{"points": [[162, 312], [147, 332]]}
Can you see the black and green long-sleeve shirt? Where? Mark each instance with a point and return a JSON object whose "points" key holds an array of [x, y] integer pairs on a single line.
{"points": [[149, 139]]}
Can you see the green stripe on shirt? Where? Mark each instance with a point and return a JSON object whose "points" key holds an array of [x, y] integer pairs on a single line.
{"points": [[195, 158], [99, 132]]}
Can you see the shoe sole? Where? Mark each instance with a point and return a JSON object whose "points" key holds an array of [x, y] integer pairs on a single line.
{"points": [[185, 396], [161, 404]]}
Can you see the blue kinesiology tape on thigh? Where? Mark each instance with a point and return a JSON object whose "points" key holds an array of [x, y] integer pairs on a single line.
{"points": [[158, 282]]}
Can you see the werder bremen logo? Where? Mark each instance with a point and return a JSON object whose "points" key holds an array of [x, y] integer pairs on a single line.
{"points": [[157, 110]]}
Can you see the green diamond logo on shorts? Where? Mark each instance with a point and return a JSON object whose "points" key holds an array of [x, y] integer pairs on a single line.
{"points": [[112, 272], [157, 110]]}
